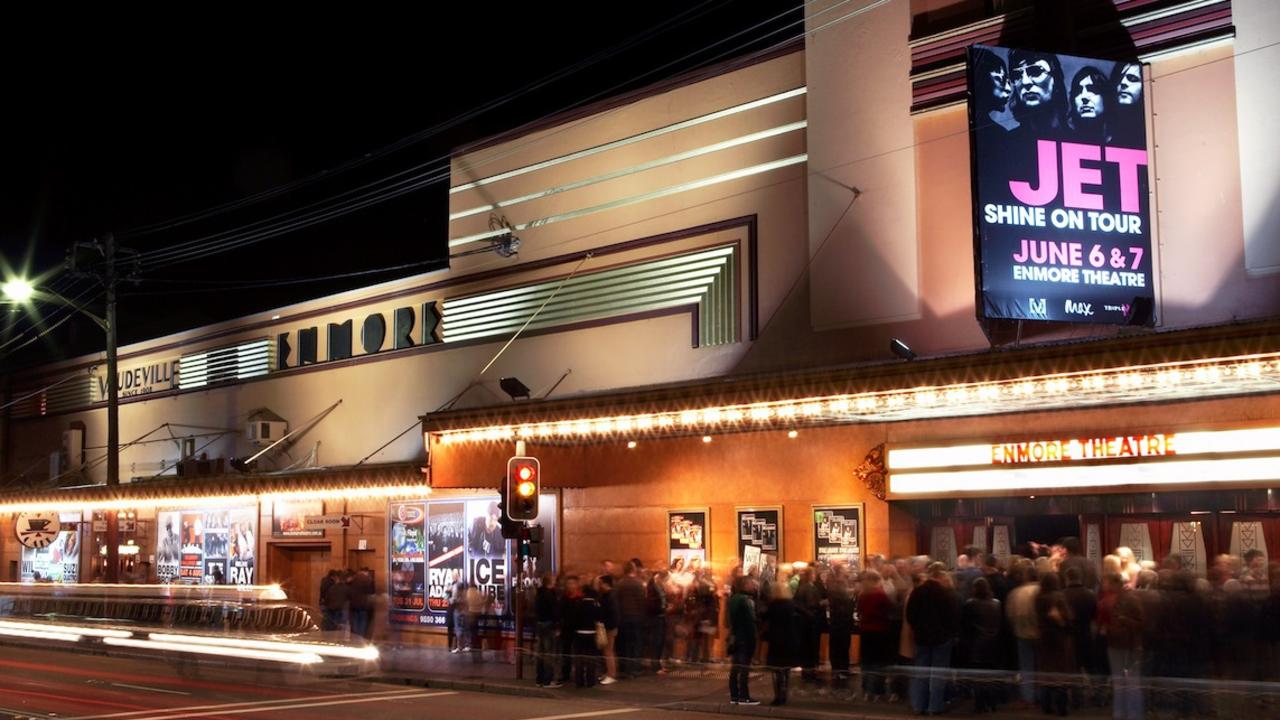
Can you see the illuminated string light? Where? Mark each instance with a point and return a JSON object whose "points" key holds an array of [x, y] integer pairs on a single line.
{"points": [[1174, 380], [64, 503]]}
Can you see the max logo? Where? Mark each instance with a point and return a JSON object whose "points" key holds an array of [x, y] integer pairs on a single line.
{"points": [[1075, 308], [1038, 306]]}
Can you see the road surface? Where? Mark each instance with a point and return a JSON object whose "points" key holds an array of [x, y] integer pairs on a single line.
{"points": [[52, 684]]}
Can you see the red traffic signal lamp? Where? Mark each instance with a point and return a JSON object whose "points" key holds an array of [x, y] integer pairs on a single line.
{"points": [[524, 481]]}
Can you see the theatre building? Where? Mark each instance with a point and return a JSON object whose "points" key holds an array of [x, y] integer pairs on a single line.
{"points": [[1082, 307]]}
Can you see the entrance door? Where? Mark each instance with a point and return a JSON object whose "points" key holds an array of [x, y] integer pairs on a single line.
{"points": [[1046, 529], [298, 569]]}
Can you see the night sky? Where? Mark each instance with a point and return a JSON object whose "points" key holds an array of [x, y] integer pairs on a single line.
{"points": [[136, 123]]}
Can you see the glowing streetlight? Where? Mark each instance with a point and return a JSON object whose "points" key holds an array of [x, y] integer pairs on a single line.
{"points": [[18, 290]]}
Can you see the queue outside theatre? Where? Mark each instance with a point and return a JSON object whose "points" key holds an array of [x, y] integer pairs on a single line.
{"points": [[710, 275]]}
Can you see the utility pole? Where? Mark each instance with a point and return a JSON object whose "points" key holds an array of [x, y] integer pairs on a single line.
{"points": [[108, 273], [113, 410]]}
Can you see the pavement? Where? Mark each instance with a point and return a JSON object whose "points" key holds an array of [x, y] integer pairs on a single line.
{"points": [[687, 689]]}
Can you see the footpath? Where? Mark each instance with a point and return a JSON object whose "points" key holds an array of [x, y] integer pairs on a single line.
{"points": [[699, 689]]}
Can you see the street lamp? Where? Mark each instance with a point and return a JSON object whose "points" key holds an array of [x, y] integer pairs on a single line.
{"points": [[20, 290]]}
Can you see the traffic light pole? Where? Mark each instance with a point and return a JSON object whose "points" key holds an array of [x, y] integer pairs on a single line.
{"points": [[518, 598]]}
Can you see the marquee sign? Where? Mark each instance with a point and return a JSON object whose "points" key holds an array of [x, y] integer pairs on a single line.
{"points": [[1089, 461], [1093, 448]]}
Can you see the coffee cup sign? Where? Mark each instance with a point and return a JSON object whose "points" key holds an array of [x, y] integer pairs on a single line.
{"points": [[37, 530]]}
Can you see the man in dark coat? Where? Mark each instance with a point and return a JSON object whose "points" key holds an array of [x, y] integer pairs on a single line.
{"points": [[742, 640], [782, 627], [1084, 611], [933, 612], [808, 600], [841, 605]]}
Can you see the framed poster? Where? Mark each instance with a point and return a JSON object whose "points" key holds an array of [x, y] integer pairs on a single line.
{"points": [[289, 519], [760, 540], [1061, 200], [838, 534], [215, 546], [688, 532], [436, 544]]}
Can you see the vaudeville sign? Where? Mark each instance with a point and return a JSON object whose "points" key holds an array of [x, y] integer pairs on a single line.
{"points": [[1061, 205]]}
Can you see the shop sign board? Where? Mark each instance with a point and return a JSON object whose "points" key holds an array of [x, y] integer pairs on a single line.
{"points": [[144, 379], [294, 519], [126, 521], [1062, 221], [37, 529], [760, 540], [207, 546], [326, 522], [837, 534], [688, 533]]}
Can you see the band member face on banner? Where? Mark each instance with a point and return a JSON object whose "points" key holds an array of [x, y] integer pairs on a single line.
{"points": [[1036, 84], [1001, 86], [1128, 84], [1087, 93]]}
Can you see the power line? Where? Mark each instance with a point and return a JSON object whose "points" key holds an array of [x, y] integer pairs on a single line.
{"points": [[894, 150], [224, 285], [281, 224], [662, 27]]}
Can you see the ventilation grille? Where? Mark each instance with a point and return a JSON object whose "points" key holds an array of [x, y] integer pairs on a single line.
{"points": [[706, 279]]}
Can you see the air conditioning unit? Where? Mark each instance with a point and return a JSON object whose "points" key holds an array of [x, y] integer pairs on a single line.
{"points": [[265, 427], [72, 449]]}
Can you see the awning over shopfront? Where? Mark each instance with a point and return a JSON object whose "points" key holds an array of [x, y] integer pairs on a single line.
{"points": [[358, 482], [1224, 361]]}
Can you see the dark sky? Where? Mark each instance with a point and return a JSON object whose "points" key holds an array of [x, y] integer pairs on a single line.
{"points": [[134, 123]]}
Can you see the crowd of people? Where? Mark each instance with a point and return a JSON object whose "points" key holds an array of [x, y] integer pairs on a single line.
{"points": [[346, 601], [1043, 628]]}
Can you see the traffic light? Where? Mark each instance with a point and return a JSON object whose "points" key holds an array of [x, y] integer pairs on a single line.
{"points": [[524, 478]]}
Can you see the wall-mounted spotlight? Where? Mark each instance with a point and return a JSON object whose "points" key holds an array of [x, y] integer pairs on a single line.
{"points": [[514, 388], [899, 348]]}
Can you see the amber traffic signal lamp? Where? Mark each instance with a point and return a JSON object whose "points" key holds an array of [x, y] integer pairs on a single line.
{"points": [[524, 478]]}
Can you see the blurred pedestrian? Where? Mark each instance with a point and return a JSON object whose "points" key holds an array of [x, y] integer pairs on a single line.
{"points": [[361, 601], [580, 619], [980, 623], [632, 608], [546, 613], [781, 630], [1055, 655], [1120, 621], [603, 587], [933, 612], [879, 643], [742, 641], [840, 609], [337, 603]]}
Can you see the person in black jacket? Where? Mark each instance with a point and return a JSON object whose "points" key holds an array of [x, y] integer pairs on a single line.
{"points": [[933, 611], [1084, 611], [841, 606], [742, 640], [781, 630], [808, 601], [579, 614], [981, 620], [546, 611]]}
